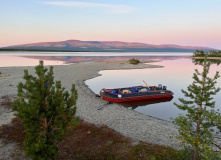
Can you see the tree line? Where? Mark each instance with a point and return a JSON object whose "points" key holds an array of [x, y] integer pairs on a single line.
{"points": [[201, 53]]}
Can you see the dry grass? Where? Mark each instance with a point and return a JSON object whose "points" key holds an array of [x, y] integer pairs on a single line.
{"points": [[13, 132]]}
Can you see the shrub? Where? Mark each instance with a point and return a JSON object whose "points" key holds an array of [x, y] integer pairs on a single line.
{"points": [[45, 111], [134, 61]]}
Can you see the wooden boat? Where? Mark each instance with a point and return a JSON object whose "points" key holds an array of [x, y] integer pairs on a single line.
{"points": [[135, 93]]}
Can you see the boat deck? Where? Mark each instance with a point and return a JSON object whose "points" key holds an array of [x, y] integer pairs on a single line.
{"points": [[135, 93]]}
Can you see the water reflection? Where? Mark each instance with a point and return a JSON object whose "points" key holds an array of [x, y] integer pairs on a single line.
{"points": [[176, 75], [135, 104], [212, 61], [11, 61], [94, 54]]}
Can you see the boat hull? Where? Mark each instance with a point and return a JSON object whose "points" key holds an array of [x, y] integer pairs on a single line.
{"points": [[105, 94]]}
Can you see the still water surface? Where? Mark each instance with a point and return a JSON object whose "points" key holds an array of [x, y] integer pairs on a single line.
{"points": [[176, 75], [15, 61], [94, 54]]}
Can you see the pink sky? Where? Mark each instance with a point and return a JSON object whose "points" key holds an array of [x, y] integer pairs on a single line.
{"points": [[192, 23]]}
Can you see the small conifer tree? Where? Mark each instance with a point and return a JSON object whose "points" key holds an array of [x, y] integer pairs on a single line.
{"points": [[45, 110], [199, 127]]}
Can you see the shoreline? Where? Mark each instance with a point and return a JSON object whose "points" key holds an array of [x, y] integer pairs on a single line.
{"points": [[128, 122], [207, 58]]}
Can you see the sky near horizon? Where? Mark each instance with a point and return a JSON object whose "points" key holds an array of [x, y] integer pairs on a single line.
{"points": [[187, 23]]}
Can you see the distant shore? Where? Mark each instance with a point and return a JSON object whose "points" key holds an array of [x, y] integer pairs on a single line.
{"points": [[127, 122], [207, 57]]}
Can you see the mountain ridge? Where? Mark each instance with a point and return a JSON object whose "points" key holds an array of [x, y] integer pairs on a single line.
{"points": [[117, 46]]}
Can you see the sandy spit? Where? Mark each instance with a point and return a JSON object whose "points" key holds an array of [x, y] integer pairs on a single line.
{"points": [[127, 122]]}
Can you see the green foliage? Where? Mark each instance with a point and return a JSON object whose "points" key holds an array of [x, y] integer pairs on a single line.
{"points": [[199, 127], [200, 53], [45, 110], [134, 61]]}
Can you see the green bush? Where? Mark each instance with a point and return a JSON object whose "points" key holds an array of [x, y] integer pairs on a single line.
{"points": [[134, 61]]}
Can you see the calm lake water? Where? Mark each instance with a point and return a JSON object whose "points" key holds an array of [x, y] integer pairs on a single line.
{"points": [[12, 61], [10, 58], [176, 75], [94, 54]]}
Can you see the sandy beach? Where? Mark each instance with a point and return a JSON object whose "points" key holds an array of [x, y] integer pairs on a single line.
{"points": [[128, 122]]}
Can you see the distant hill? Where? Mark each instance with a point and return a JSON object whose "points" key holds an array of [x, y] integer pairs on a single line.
{"points": [[105, 46]]}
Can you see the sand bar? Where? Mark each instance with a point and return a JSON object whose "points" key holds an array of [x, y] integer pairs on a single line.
{"points": [[127, 122]]}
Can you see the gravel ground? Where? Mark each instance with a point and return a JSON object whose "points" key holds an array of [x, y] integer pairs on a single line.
{"points": [[127, 122]]}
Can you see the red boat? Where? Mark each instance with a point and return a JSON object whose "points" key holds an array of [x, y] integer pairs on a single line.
{"points": [[135, 93]]}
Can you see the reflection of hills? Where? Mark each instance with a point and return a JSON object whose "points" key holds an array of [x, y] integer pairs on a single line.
{"points": [[74, 59], [136, 104]]}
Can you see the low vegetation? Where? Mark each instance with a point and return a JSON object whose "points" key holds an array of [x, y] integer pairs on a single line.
{"points": [[134, 61], [88, 141]]}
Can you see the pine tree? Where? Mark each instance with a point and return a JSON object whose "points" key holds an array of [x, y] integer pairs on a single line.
{"points": [[45, 110], [199, 127]]}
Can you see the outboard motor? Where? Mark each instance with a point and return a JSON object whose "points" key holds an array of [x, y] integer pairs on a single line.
{"points": [[164, 88], [160, 87]]}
